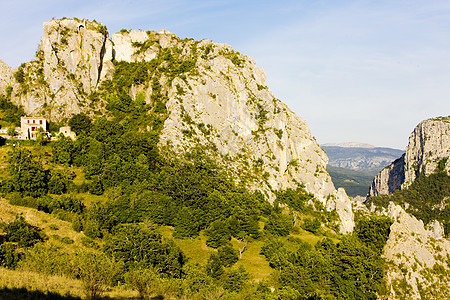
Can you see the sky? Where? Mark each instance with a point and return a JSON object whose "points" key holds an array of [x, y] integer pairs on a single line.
{"points": [[364, 71]]}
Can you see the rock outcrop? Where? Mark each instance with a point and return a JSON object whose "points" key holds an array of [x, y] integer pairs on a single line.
{"points": [[221, 103], [417, 265], [429, 146], [6, 75]]}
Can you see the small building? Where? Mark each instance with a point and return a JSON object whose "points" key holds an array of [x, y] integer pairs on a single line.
{"points": [[67, 132], [29, 127]]}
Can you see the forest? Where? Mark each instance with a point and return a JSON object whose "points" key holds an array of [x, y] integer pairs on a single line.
{"points": [[123, 195], [114, 215]]}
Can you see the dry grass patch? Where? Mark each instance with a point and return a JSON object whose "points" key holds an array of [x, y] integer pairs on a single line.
{"points": [[32, 281], [45, 221]]}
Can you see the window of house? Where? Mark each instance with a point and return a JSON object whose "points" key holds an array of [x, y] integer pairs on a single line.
{"points": [[40, 121]]}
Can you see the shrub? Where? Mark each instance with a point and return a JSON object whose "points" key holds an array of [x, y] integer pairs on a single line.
{"points": [[9, 257], [279, 224], [311, 225], [227, 255], [23, 233], [97, 271]]}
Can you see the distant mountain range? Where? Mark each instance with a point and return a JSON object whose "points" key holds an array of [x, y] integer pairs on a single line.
{"points": [[353, 165], [357, 156]]}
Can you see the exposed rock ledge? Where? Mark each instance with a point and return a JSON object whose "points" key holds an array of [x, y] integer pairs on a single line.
{"points": [[415, 259]]}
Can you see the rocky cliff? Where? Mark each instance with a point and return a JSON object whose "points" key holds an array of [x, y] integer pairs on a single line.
{"points": [[429, 146], [417, 263], [215, 98]]}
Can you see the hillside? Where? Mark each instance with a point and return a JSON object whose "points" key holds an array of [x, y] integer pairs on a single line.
{"points": [[355, 182], [199, 94], [187, 179], [414, 190]]}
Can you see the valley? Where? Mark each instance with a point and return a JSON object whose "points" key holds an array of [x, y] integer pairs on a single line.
{"points": [[186, 178]]}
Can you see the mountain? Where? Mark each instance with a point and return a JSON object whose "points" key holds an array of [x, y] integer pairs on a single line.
{"points": [[352, 165], [207, 96], [414, 191], [428, 149], [358, 156], [349, 145]]}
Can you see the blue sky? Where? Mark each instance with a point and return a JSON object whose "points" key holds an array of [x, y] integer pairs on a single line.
{"points": [[366, 71]]}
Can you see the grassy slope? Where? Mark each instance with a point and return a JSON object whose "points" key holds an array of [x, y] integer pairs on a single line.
{"points": [[33, 281]]}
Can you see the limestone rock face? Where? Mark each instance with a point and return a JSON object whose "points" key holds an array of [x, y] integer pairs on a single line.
{"points": [[223, 104], [417, 262], [68, 68], [6, 75], [250, 128], [428, 145]]}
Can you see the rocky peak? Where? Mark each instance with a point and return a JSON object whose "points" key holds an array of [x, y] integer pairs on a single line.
{"points": [[215, 98], [429, 146]]}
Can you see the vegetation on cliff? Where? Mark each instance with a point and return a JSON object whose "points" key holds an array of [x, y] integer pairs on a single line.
{"points": [[426, 198], [123, 212]]}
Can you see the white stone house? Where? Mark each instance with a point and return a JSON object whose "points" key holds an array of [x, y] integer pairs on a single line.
{"points": [[67, 132], [29, 127]]}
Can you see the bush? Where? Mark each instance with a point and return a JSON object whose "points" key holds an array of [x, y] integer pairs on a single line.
{"points": [[47, 258], [97, 271], [23, 233], [80, 123], [9, 257], [227, 255], [16, 198], [137, 246], [218, 234], [236, 279], [279, 224], [311, 225], [141, 280]]}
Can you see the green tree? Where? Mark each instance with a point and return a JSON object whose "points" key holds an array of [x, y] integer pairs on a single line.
{"points": [[137, 246], [311, 224], [9, 256], [227, 255], [374, 231], [218, 234], [11, 131], [23, 233], [80, 123], [26, 175], [236, 279], [279, 224], [214, 266], [97, 272]]}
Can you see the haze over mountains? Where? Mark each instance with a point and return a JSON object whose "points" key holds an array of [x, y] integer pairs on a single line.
{"points": [[359, 156], [353, 165]]}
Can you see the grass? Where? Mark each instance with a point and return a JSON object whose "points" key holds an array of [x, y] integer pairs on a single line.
{"points": [[31, 281], [195, 249], [42, 220], [254, 262], [12, 280]]}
